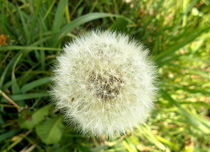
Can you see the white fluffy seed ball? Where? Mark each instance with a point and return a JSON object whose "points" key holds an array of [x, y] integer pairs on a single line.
{"points": [[104, 83]]}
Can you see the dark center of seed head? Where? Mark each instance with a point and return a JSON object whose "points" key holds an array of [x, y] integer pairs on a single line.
{"points": [[106, 87]]}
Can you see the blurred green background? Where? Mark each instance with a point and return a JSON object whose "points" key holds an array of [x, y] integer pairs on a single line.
{"points": [[32, 34]]}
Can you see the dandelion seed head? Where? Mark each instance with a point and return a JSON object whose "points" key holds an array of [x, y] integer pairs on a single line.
{"points": [[104, 82]]}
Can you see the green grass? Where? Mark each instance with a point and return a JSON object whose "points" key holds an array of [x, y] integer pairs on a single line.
{"points": [[176, 32]]}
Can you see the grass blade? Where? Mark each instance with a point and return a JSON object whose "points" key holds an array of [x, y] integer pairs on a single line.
{"points": [[163, 57], [189, 117], [15, 87], [8, 69], [26, 96], [82, 20], [34, 84], [6, 48], [58, 21]]}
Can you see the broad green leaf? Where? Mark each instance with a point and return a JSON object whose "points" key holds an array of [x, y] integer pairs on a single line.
{"points": [[37, 117], [51, 130]]}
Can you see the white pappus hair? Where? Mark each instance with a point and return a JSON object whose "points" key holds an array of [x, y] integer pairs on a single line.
{"points": [[104, 83]]}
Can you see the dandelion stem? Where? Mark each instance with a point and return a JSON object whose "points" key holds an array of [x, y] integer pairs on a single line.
{"points": [[10, 101]]}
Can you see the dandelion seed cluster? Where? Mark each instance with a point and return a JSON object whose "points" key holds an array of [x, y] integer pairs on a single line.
{"points": [[104, 83]]}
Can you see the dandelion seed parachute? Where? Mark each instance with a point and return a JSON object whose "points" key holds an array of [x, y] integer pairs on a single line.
{"points": [[104, 83]]}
